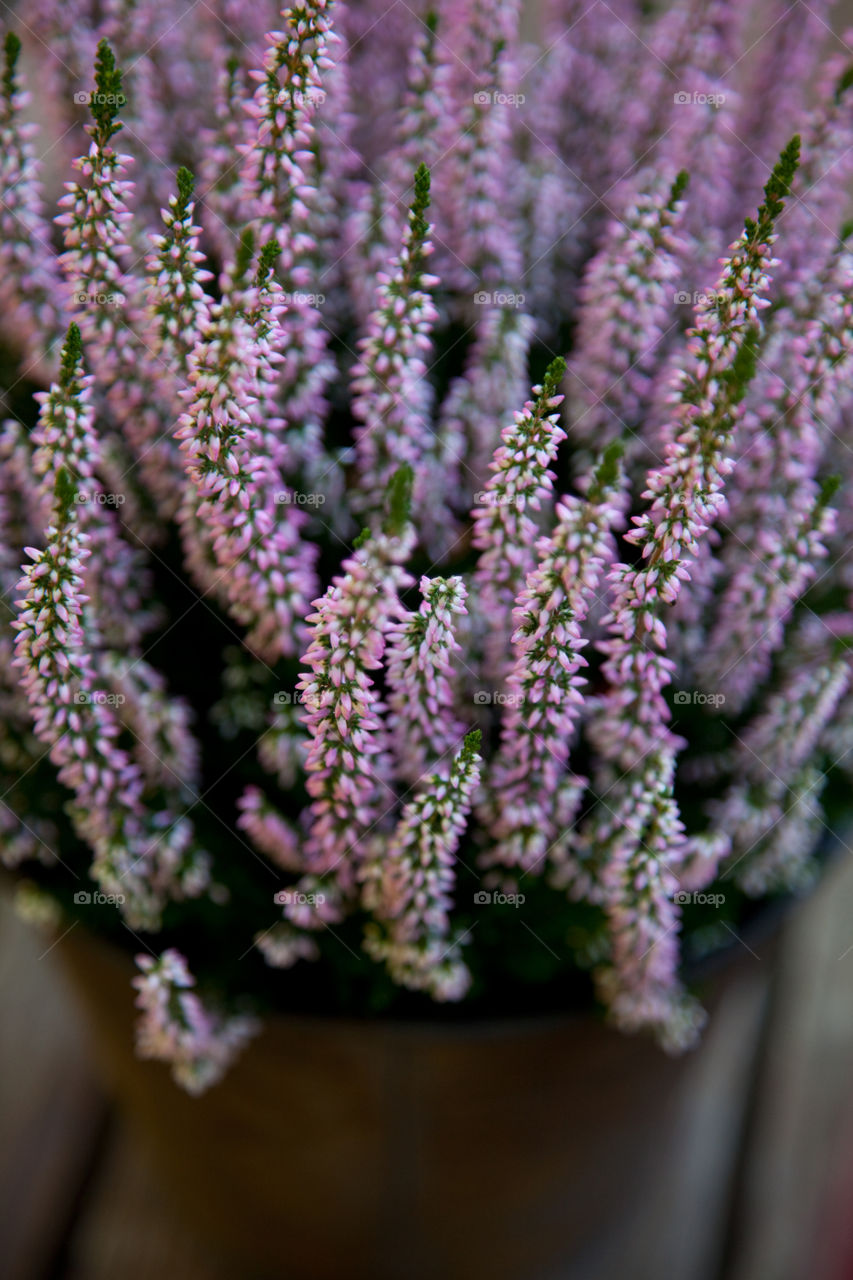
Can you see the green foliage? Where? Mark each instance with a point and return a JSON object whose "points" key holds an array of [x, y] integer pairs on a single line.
{"points": [[186, 188], [109, 97], [398, 500], [778, 188], [72, 354], [11, 48]]}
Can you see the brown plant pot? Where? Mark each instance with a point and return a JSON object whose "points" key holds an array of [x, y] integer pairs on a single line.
{"points": [[347, 1150]]}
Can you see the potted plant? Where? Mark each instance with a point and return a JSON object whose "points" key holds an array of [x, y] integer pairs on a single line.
{"points": [[382, 722]]}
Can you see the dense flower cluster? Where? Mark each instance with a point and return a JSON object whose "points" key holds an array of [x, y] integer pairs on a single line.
{"points": [[335, 645]]}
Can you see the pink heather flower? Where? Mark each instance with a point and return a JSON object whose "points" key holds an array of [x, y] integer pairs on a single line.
{"points": [[702, 138], [220, 187], [107, 294], [176, 1027], [290, 89], [379, 38], [22, 520], [392, 398], [422, 721], [640, 841], [554, 202], [65, 440], [335, 166], [241, 541], [141, 856], [811, 223], [686, 491], [544, 686], [775, 104], [418, 139], [504, 532], [480, 243], [641, 836], [409, 887], [32, 294], [783, 514], [347, 760], [625, 313], [378, 219], [78, 727], [269, 830], [279, 179], [772, 810], [180, 308], [269, 410]]}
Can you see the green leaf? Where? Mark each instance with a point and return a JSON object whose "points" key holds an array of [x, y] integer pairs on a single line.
{"points": [[109, 96], [398, 500]]}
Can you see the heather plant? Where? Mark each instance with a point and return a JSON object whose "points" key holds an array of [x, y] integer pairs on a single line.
{"points": [[422, 536]]}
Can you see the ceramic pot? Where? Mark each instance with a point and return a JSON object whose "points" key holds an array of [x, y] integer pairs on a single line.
{"points": [[367, 1150]]}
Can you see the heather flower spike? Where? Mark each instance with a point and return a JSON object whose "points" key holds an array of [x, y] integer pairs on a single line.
{"points": [[65, 440], [177, 279], [279, 182], [391, 393], [772, 811], [419, 671], [641, 836], [346, 763], [176, 1027], [625, 314], [528, 784], [504, 532], [137, 856], [238, 544], [410, 890], [95, 223], [784, 505], [31, 290]]}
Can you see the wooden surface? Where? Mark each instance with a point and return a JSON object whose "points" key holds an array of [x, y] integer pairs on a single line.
{"points": [[756, 1164]]}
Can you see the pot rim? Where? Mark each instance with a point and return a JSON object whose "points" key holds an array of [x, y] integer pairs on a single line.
{"points": [[767, 921]]}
